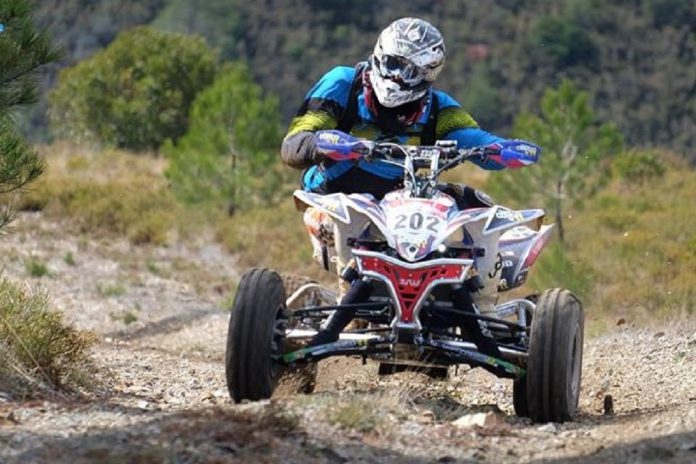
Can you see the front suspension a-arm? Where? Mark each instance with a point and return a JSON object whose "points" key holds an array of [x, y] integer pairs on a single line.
{"points": [[338, 348], [503, 368]]}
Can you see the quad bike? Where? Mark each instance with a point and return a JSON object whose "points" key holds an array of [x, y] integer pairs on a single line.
{"points": [[413, 277]]}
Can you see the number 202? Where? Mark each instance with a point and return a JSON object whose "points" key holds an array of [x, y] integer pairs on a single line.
{"points": [[416, 222]]}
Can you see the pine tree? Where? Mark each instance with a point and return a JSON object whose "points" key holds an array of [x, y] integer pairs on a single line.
{"points": [[575, 158], [23, 50]]}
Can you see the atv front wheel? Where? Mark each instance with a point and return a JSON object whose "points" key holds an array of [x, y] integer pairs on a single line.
{"points": [[519, 396], [554, 367], [255, 336]]}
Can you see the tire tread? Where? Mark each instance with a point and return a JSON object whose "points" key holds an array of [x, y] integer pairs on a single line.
{"points": [[549, 375], [252, 318]]}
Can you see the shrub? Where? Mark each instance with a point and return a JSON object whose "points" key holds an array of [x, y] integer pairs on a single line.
{"points": [[227, 156], [638, 166], [565, 43], [38, 349], [36, 267], [133, 209], [134, 94], [556, 268], [357, 414]]}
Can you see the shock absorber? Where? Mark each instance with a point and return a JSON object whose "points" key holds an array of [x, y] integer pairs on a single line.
{"points": [[461, 297], [359, 292]]}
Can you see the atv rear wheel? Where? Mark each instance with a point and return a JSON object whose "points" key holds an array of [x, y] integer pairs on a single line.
{"points": [[554, 366], [255, 336]]}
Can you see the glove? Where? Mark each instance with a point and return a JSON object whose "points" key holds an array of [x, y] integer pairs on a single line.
{"points": [[336, 145], [512, 153]]}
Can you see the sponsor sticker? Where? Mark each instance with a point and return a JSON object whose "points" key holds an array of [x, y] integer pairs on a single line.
{"points": [[329, 137], [509, 215]]}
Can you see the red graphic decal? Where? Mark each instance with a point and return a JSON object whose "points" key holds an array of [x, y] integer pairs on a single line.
{"points": [[410, 284], [536, 249]]}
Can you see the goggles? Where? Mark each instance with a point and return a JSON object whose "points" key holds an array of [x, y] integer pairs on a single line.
{"points": [[401, 71]]}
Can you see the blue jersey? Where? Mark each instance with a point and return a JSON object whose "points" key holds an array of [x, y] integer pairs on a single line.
{"points": [[325, 105]]}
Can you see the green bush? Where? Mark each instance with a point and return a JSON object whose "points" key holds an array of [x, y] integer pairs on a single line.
{"points": [[575, 158], [565, 43], [556, 268], [36, 268], [134, 94], [229, 155], [38, 348], [638, 166]]}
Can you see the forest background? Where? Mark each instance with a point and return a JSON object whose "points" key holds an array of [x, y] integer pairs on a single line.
{"points": [[608, 90]]}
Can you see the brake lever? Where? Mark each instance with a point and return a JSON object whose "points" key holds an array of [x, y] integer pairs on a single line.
{"points": [[363, 147], [372, 148], [468, 153]]}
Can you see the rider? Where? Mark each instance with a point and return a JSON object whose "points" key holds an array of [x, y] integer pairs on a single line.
{"points": [[389, 98]]}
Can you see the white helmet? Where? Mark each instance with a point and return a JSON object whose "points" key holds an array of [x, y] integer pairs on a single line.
{"points": [[408, 57]]}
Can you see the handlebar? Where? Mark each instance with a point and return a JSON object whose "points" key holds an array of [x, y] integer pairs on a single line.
{"points": [[444, 155], [421, 155]]}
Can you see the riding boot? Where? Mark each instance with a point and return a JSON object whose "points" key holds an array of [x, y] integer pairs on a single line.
{"points": [[486, 297], [359, 292]]}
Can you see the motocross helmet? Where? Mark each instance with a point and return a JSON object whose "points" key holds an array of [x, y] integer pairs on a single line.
{"points": [[407, 59]]}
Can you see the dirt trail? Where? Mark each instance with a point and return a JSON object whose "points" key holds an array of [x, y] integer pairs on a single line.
{"points": [[159, 315]]}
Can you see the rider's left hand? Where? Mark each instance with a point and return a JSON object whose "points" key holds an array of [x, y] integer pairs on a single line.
{"points": [[513, 153]]}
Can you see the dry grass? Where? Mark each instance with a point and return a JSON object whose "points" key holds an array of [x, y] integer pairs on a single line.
{"points": [[632, 247], [109, 192], [39, 351], [359, 413], [272, 237]]}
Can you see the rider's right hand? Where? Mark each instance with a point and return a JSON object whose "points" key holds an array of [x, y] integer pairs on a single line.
{"points": [[336, 145]]}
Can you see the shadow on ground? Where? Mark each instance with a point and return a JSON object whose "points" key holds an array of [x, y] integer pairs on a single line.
{"points": [[673, 448], [261, 434]]}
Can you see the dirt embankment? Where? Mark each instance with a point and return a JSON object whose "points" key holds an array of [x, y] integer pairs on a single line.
{"points": [[159, 313]]}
